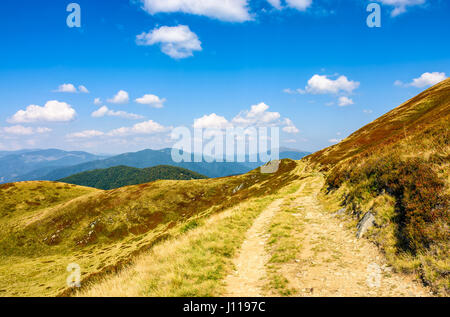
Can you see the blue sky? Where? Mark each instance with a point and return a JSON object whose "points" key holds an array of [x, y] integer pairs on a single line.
{"points": [[312, 67]]}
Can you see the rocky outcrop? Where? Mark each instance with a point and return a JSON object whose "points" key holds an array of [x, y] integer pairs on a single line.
{"points": [[364, 224]]}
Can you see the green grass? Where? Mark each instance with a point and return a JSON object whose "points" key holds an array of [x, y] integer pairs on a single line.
{"points": [[103, 231], [284, 245], [192, 263]]}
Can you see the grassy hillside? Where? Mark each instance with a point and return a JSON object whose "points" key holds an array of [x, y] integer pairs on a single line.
{"points": [[397, 167], [119, 176], [103, 230]]}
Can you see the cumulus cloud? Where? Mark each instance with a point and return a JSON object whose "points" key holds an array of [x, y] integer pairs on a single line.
{"points": [[66, 88], [425, 80], [225, 10], [400, 6], [212, 121], [85, 134], [151, 100], [18, 130], [105, 111], [290, 127], [120, 98], [334, 140], [97, 101], [21, 130], [147, 127], [301, 5], [83, 89], [70, 88], [53, 111], [276, 4], [257, 116], [321, 84], [428, 79], [345, 101], [176, 41]]}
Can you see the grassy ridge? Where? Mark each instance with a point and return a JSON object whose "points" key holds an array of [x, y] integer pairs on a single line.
{"points": [[103, 230], [397, 167], [119, 176]]}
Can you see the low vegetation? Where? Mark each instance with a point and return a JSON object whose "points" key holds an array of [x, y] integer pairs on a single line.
{"points": [[398, 168]]}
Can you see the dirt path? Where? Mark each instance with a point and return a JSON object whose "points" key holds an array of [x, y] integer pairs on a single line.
{"points": [[332, 262], [247, 280]]}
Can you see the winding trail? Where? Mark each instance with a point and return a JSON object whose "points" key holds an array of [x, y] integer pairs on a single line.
{"points": [[250, 264], [330, 262]]}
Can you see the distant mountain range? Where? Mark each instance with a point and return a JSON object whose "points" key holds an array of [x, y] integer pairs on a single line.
{"points": [[119, 176], [53, 165], [32, 164]]}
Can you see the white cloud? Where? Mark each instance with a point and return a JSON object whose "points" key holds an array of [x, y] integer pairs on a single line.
{"points": [[425, 80], [21, 130], [85, 134], [18, 130], [70, 88], [398, 83], [212, 121], [151, 100], [428, 79], [400, 6], [147, 127], [83, 89], [53, 111], [368, 111], [67, 88], [97, 101], [225, 10], [105, 111], [289, 91], [294, 92], [120, 98], [321, 84], [334, 140], [276, 4], [345, 101], [177, 42], [258, 115], [43, 130], [290, 127], [300, 5]]}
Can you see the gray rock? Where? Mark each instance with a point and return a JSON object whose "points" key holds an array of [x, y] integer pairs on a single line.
{"points": [[366, 222], [340, 212], [238, 188]]}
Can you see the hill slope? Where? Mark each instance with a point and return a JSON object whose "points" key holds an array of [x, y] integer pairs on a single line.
{"points": [[397, 168], [119, 176], [104, 230]]}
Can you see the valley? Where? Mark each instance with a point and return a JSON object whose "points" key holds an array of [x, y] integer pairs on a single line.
{"points": [[368, 216]]}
